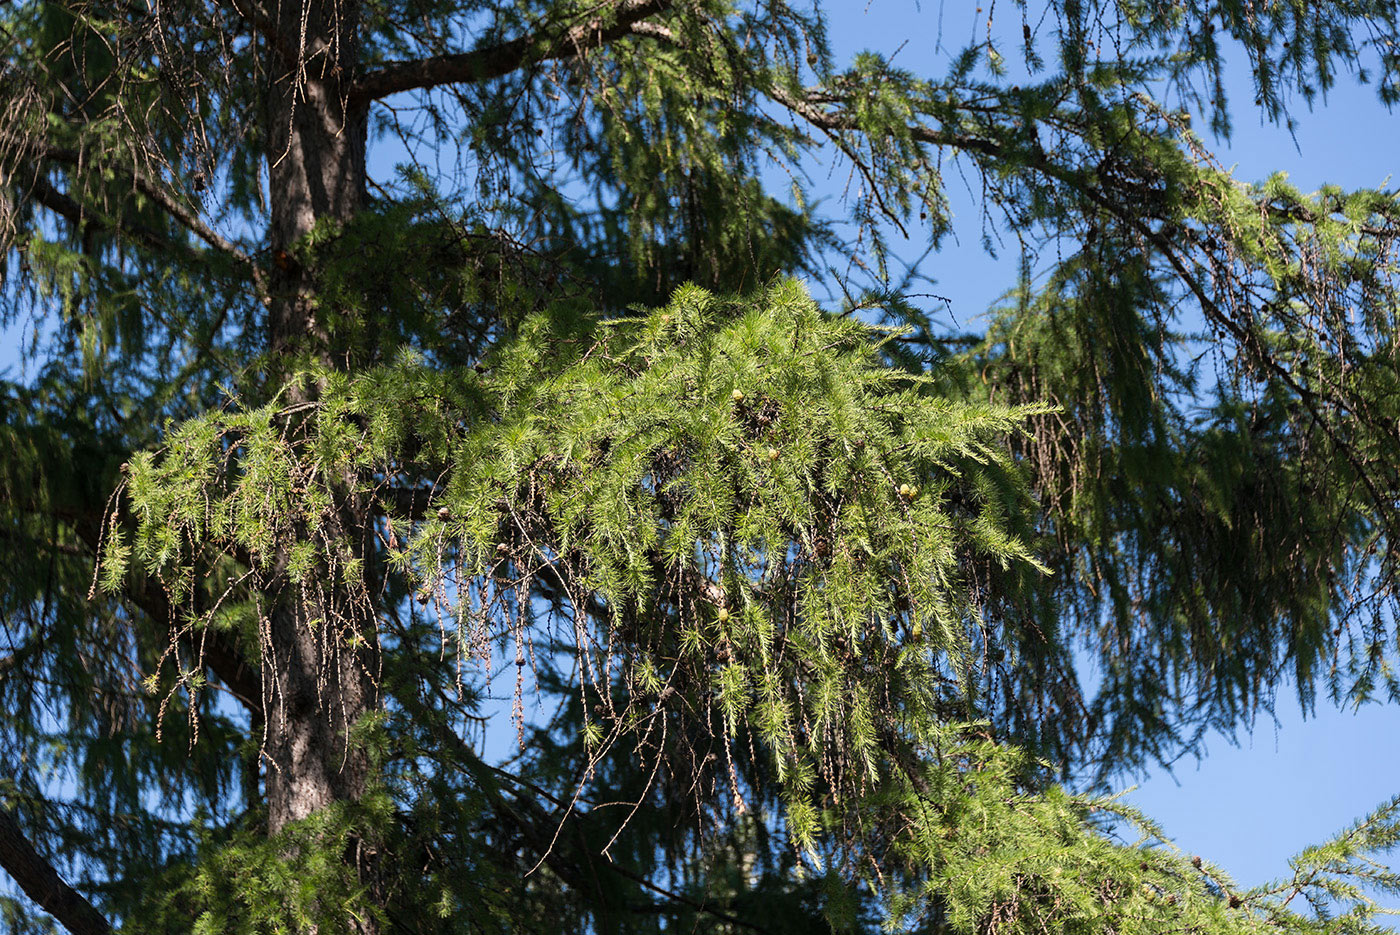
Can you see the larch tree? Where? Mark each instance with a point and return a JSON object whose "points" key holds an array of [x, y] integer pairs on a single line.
{"points": [[396, 363]]}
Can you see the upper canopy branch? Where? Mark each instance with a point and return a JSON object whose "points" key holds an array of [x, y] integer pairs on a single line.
{"points": [[496, 61]]}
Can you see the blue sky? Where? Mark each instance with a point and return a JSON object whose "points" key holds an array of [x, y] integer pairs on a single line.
{"points": [[1247, 807]]}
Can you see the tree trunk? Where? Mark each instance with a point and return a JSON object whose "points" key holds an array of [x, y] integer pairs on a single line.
{"points": [[318, 682], [316, 153]]}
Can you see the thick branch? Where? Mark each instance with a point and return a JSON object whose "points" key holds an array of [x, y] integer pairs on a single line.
{"points": [[65, 206], [499, 60], [41, 882]]}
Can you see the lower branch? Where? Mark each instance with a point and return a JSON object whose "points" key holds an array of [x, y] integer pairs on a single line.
{"points": [[41, 883]]}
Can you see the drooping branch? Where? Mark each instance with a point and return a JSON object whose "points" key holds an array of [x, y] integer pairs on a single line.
{"points": [[214, 647], [1168, 236], [70, 209], [810, 107], [1237, 274], [42, 883], [153, 191], [497, 61]]}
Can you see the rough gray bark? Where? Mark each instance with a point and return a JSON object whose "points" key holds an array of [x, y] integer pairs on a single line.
{"points": [[316, 150]]}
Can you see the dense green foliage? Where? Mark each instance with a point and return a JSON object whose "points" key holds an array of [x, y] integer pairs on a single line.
{"points": [[312, 482]]}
